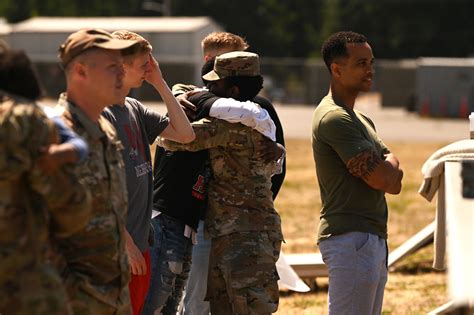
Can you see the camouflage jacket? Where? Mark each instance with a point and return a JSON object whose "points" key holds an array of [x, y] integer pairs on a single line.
{"points": [[240, 198], [96, 257], [35, 210]]}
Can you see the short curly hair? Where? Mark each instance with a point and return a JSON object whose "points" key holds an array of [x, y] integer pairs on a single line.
{"points": [[335, 46], [220, 40]]}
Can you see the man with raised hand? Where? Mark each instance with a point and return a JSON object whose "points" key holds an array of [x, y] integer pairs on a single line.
{"points": [[137, 127]]}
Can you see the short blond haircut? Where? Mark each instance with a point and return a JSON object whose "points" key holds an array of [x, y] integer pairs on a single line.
{"points": [[223, 40], [142, 45]]}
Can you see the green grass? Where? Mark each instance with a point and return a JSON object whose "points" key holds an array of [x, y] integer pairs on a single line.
{"points": [[413, 287]]}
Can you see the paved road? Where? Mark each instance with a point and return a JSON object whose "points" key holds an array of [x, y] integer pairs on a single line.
{"points": [[392, 124]]}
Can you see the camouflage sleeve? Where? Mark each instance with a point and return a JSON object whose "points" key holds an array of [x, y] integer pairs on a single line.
{"points": [[67, 201], [24, 131], [181, 88], [209, 134]]}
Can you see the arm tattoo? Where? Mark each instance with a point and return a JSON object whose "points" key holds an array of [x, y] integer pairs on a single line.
{"points": [[363, 164]]}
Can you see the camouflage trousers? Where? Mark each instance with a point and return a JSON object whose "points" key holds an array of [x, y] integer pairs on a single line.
{"points": [[85, 304], [242, 273], [36, 290], [87, 299]]}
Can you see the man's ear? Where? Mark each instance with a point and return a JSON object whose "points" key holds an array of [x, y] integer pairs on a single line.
{"points": [[79, 69], [335, 70]]}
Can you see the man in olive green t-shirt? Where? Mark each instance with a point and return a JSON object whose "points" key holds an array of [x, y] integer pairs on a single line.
{"points": [[355, 169]]}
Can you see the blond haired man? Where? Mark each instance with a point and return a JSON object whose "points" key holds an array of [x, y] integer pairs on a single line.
{"points": [[218, 43], [137, 127]]}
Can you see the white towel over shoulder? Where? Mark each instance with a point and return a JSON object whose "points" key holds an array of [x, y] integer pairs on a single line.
{"points": [[247, 113], [433, 181]]}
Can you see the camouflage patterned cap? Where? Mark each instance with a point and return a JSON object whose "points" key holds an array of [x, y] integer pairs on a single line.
{"points": [[84, 39], [234, 64]]}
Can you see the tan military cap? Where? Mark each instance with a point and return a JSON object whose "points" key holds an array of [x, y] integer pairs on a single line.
{"points": [[85, 39], [234, 64]]}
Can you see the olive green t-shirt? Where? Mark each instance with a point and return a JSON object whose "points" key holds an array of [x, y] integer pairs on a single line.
{"points": [[348, 203]]}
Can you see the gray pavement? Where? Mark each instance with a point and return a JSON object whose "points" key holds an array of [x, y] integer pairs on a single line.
{"points": [[393, 124]]}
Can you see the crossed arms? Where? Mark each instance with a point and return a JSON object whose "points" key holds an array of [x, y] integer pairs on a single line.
{"points": [[379, 174]]}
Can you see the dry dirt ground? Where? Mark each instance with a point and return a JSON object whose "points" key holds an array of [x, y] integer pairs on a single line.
{"points": [[413, 287]]}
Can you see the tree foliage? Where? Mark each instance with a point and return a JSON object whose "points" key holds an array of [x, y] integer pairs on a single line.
{"points": [[296, 28]]}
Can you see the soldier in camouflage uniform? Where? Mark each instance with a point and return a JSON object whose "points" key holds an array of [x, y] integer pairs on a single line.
{"points": [[241, 221], [36, 209], [97, 271]]}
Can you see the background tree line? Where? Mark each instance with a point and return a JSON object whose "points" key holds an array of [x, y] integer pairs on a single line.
{"points": [[296, 28]]}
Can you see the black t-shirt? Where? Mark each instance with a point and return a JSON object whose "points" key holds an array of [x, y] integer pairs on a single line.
{"points": [[277, 180], [179, 185], [181, 177]]}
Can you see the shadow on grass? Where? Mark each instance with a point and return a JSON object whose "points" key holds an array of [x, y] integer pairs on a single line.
{"points": [[295, 294], [415, 267], [313, 284]]}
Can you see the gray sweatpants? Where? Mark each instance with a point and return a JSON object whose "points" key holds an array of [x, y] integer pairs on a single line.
{"points": [[357, 272]]}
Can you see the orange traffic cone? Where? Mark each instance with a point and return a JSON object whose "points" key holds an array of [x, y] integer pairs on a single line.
{"points": [[425, 108], [464, 108]]}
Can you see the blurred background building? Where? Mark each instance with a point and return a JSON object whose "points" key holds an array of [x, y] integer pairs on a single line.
{"points": [[407, 37], [176, 44]]}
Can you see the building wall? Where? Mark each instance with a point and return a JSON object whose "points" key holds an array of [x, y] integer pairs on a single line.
{"points": [[395, 80], [317, 80], [177, 49], [444, 90], [40, 47]]}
